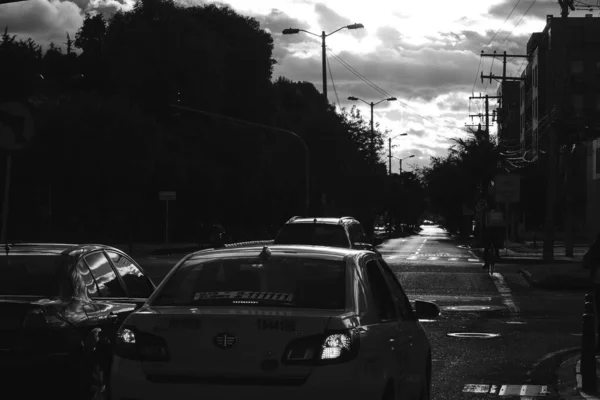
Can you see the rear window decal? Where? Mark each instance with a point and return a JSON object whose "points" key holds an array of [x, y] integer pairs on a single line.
{"points": [[243, 295]]}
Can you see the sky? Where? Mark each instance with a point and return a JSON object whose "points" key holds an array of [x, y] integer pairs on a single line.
{"points": [[426, 54]]}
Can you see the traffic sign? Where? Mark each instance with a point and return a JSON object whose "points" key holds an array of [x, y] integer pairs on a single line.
{"points": [[16, 126], [507, 188], [167, 196]]}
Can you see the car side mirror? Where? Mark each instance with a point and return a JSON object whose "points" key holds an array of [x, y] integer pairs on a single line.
{"points": [[426, 309]]}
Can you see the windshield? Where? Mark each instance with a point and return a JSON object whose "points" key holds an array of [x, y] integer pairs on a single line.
{"points": [[30, 275], [313, 234], [280, 282]]}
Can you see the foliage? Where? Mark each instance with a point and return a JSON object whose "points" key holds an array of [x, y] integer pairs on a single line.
{"points": [[108, 139]]}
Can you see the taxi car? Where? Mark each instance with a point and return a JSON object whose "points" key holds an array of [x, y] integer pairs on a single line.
{"points": [[275, 322], [60, 308]]}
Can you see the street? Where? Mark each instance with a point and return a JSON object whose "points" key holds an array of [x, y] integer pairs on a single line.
{"points": [[532, 330]]}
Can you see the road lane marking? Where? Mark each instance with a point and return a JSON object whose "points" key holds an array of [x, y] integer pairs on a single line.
{"points": [[432, 258], [505, 292], [473, 259], [412, 258], [453, 259]]}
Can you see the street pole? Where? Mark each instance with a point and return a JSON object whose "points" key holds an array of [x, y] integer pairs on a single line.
{"points": [[487, 117], [372, 130], [400, 166], [324, 61], [390, 154]]}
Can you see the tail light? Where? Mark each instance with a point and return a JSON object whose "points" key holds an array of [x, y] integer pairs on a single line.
{"points": [[330, 348], [141, 346], [35, 319]]}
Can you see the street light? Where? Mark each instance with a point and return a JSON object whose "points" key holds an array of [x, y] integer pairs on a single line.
{"points": [[354, 98], [323, 35], [402, 159], [390, 150]]}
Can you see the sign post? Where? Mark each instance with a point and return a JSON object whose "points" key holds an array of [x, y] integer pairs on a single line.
{"points": [[16, 133], [166, 197]]}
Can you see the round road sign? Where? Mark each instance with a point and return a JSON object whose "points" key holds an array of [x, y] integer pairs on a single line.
{"points": [[16, 126]]}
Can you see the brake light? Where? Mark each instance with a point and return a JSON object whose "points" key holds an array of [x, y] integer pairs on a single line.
{"points": [[141, 346], [330, 348], [35, 319]]}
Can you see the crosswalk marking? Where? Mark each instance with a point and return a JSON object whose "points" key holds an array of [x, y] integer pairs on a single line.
{"points": [[432, 258], [412, 258], [474, 259], [453, 259]]}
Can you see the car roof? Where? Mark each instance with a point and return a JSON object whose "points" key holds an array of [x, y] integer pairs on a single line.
{"points": [[53, 248], [331, 221], [339, 253]]}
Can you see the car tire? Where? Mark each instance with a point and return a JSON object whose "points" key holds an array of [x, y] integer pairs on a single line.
{"points": [[426, 390]]}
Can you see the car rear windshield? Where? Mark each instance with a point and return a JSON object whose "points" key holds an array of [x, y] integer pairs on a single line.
{"points": [[313, 234], [279, 282], [30, 275]]}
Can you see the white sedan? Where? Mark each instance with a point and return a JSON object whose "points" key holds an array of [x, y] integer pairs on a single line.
{"points": [[277, 322]]}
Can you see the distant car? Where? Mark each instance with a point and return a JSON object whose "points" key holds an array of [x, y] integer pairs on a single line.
{"points": [[344, 232], [277, 322], [60, 308]]}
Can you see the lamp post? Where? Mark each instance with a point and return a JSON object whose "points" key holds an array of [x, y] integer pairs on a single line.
{"points": [[390, 150], [323, 35], [354, 98], [402, 159]]}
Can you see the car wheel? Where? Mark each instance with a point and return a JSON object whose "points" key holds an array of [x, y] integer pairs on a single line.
{"points": [[426, 390]]}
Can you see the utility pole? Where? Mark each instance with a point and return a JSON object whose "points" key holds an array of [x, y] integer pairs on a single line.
{"points": [[487, 111], [565, 5], [324, 63], [389, 153]]}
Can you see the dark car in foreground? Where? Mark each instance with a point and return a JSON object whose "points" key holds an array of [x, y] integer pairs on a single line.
{"points": [[60, 308], [276, 322]]}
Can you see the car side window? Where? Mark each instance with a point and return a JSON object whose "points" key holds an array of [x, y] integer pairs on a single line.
{"points": [[137, 284], [356, 233], [400, 298], [106, 279], [88, 279], [380, 291]]}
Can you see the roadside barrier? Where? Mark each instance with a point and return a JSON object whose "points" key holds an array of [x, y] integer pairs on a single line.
{"points": [[588, 347]]}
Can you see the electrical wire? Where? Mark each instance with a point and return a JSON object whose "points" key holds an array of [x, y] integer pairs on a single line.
{"points": [[385, 93], [493, 37], [515, 27]]}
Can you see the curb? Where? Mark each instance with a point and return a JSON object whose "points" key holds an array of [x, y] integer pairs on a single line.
{"points": [[571, 389], [553, 283]]}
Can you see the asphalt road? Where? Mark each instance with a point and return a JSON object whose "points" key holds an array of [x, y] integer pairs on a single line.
{"points": [[533, 330]]}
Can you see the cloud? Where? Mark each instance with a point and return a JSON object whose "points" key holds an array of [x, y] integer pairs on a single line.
{"points": [[539, 10], [42, 20], [330, 21]]}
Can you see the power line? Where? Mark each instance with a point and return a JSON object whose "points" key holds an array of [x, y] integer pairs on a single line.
{"points": [[493, 37], [385, 93], [515, 27]]}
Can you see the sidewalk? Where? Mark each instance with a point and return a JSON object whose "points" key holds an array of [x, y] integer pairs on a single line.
{"points": [[569, 380], [560, 276]]}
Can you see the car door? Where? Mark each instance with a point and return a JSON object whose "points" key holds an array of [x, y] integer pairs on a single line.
{"points": [[408, 326], [390, 340]]}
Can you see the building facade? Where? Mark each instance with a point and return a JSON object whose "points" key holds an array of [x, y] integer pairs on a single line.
{"points": [[560, 95]]}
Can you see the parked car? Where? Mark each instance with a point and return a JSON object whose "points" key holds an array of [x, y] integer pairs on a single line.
{"points": [[276, 322], [60, 308], [344, 232]]}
